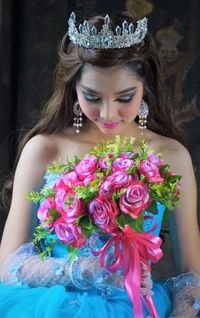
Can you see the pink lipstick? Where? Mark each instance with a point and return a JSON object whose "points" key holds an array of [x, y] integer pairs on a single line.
{"points": [[110, 125]]}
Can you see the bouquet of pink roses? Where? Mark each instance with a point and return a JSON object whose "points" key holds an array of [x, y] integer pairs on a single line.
{"points": [[109, 191]]}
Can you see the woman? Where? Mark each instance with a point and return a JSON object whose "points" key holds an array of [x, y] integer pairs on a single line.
{"points": [[103, 82]]}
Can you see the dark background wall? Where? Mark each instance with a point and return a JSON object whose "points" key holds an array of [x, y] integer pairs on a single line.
{"points": [[30, 34]]}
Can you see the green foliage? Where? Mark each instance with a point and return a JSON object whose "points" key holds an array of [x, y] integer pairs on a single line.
{"points": [[126, 219], [75, 161], [47, 192], [59, 168], [88, 192], [165, 192], [142, 177], [164, 170], [73, 252], [41, 195], [116, 147], [117, 194], [131, 170], [34, 196], [54, 214], [40, 233], [153, 208], [166, 214], [87, 225]]}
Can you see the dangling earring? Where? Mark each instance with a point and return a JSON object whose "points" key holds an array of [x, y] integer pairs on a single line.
{"points": [[78, 116], [143, 113]]}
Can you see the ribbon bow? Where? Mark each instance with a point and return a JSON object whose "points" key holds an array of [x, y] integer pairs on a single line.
{"points": [[130, 249]]}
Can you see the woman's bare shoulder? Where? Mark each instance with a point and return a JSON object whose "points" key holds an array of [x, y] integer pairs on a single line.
{"points": [[174, 153], [37, 153], [40, 148], [43, 144]]}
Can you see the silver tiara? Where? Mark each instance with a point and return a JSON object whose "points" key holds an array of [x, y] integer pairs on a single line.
{"points": [[90, 38]]}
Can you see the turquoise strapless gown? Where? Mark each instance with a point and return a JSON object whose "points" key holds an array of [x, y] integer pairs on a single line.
{"points": [[67, 302]]}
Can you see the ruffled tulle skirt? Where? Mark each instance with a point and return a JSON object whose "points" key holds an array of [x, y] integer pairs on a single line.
{"points": [[58, 301]]}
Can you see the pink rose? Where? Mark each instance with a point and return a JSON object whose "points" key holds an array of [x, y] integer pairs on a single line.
{"points": [[43, 212], [103, 213], [66, 180], [150, 171], [114, 182], [72, 210], [86, 167], [69, 233], [61, 196], [155, 159], [122, 164], [135, 200], [126, 155], [104, 161], [71, 178]]}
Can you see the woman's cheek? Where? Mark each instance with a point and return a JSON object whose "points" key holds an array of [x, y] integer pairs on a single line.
{"points": [[90, 110], [128, 112], [91, 113]]}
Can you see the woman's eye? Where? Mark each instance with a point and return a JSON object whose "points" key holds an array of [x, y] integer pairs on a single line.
{"points": [[125, 99], [90, 98]]}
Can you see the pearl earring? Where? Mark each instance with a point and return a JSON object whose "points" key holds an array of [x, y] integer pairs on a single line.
{"points": [[78, 116], [143, 113]]}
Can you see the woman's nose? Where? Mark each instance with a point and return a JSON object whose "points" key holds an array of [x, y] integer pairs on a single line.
{"points": [[108, 111]]}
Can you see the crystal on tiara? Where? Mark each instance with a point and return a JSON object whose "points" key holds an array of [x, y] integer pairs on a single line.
{"points": [[90, 38]]}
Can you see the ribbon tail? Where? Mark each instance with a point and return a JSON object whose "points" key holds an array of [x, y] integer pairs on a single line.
{"points": [[150, 306], [132, 282]]}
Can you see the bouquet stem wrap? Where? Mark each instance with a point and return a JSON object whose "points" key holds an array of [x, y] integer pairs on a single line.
{"points": [[130, 249]]}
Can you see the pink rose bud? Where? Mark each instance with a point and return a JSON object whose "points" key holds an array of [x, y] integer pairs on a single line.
{"points": [[65, 181], [135, 200], [126, 155], [114, 182], [86, 167], [155, 159], [103, 213], [150, 171], [70, 210], [75, 209], [43, 212], [71, 178], [69, 233], [104, 161], [178, 190], [61, 196], [122, 164]]}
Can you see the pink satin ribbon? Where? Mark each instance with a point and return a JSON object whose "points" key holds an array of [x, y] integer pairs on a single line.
{"points": [[130, 249]]}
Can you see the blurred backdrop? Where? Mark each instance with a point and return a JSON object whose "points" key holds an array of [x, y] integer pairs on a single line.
{"points": [[31, 32]]}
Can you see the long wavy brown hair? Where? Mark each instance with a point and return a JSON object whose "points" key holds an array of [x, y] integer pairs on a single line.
{"points": [[142, 59]]}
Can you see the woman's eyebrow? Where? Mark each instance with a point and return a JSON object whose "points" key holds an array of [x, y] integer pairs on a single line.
{"points": [[90, 90]]}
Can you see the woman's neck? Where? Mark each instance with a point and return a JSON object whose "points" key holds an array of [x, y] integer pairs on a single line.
{"points": [[94, 133]]}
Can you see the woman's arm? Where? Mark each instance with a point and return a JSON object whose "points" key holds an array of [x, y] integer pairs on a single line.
{"points": [[184, 230], [183, 221], [20, 263], [36, 155]]}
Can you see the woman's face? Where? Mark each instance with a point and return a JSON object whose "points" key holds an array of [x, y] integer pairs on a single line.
{"points": [[109, 97]]}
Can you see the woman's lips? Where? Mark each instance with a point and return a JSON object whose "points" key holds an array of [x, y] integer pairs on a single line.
{"points": [[110, 125]]}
